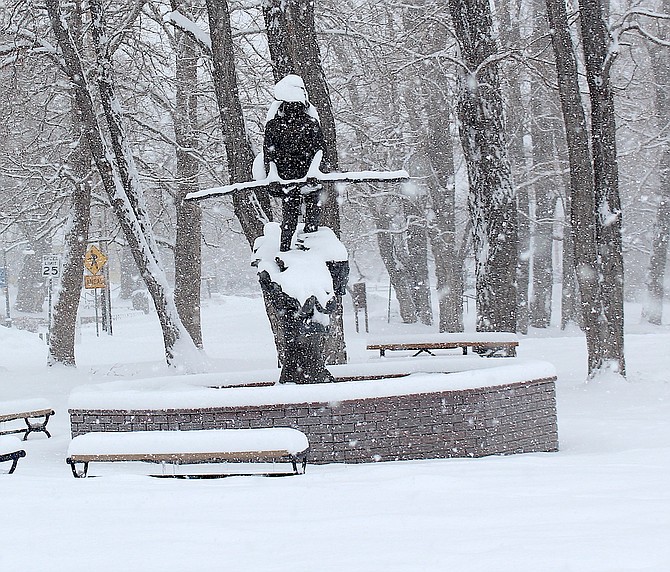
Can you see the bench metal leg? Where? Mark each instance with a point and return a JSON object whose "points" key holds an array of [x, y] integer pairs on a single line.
{"points": [[303, 464], [13, 457], [73, 465], [424, 350], [36, 427]]}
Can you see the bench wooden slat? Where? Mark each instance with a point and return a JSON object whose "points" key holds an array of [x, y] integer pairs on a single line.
{"points": [[189, 447], [26, 410], [440, 345], [183, 457], [447, 341], [26, 414]]}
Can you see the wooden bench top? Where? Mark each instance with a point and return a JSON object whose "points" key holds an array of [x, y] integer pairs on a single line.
{"points": [[20, 409], [181, 457], [447, 340], [205, 441], [187, 447]]}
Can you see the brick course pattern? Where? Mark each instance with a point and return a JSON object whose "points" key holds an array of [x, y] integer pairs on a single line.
{"points": [[506, 419]]}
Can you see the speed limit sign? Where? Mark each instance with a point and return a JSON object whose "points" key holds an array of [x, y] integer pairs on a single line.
{"points": [[50, 266]]}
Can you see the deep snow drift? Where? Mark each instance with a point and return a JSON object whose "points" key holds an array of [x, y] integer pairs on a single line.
{"points": [[600, 504]]}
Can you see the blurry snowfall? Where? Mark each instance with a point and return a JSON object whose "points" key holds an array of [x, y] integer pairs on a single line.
{"points": [[600, 504]]}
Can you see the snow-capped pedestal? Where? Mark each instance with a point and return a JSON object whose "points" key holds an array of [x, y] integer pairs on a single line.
{"points": [[484, 407], [302, 285]]}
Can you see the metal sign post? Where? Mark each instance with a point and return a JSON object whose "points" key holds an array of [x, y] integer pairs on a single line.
{"points": [[50, 269], [4, 283], [95, 261]]}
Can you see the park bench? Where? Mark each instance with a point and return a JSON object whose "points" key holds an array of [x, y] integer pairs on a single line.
{"points": [[10, 450], [191, 447], [487, 343], [27, 410]]}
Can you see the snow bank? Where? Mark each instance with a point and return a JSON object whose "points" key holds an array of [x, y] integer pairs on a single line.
{"points": [[23, 406], [9, 444], [199, 441]]}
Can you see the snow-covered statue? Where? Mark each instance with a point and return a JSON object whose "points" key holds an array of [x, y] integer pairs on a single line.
{"points": [[302, 285], [293, 137], [301, 268]]}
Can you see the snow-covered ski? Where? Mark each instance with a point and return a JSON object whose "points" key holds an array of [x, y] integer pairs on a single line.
{"points": [[314, 173]]}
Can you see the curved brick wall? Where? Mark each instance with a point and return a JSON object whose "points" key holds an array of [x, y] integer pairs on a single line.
{"points": [[509, 418]]}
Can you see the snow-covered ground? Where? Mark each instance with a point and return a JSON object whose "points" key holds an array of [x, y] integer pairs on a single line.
{"points": [[600, 504]]}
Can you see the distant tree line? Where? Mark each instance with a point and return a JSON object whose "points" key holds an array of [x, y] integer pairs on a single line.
{"points": [[529, 126]]}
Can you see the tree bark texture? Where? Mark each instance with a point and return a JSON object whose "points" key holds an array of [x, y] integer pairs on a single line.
{"points": [[442, 230], [582, 198], [492, 200], [276, 28], [63, 327], [31, 288], [188, 240], [543, 131], [252, 209], [570, 298], [68, 293], [660, 65], [516, 129], [598, 59]]}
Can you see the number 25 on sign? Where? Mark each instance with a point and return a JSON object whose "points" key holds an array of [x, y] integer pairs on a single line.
{"points": [[51, 266]]}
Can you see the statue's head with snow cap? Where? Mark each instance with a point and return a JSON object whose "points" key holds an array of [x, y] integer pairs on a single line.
{"points": [[291, 99], [291, 89]]}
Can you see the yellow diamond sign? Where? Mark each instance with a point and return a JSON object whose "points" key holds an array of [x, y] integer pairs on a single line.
{"points": [[94, 259]]}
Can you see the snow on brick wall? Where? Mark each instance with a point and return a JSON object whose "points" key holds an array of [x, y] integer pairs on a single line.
{"points": [[512, 418]]}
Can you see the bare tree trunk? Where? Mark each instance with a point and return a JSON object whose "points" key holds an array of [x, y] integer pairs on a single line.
{"points": [[598, 58], [121, 189], [516, 129], [64, 322], [492, 199], [653, 307], [279, 43], [526, 255], [570, 299], [252, 209], [391, 249], [442, 231], [417, 266], [188, 240], [63, 327], [660, 64], [31, 287], [582, 201], [543, 130]]}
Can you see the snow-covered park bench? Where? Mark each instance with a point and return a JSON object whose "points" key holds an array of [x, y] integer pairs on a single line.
{"points": [[191, 447], [10, 450], [27, 410], [488, 343]]}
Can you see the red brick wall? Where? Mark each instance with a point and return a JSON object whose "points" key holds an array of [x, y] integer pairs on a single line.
{"points": [[513, 418]]}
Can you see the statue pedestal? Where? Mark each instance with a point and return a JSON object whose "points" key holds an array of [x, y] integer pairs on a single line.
{"points": [[302, 285]]}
